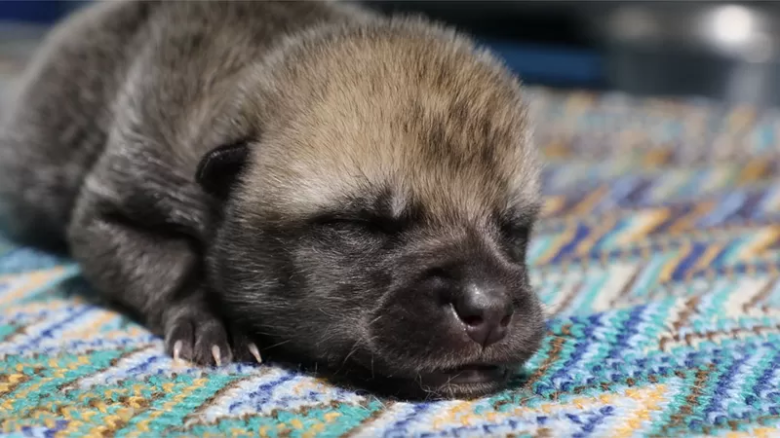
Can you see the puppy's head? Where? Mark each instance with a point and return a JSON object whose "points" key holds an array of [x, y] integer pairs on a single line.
{"points": [[381, 209]]}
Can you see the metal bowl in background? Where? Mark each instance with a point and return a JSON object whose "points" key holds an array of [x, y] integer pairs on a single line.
{"points": [[729, 52]]}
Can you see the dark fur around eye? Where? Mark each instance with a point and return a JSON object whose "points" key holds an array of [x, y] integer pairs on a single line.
{"points": [[515, 237], [353, 225], [360, 223], [357, 237], [516, 232]]}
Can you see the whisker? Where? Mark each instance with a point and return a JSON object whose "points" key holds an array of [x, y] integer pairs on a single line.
{"points": [[277, 344]]}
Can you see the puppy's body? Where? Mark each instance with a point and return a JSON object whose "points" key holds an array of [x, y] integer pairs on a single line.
{"points": [[331, 179], [151, 70]]}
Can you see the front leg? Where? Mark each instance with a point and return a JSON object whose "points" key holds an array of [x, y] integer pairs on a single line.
{"points": [[156, 273], [146, 192]]}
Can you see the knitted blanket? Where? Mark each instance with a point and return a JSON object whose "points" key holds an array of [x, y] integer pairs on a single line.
{"points": [[655, 257]]}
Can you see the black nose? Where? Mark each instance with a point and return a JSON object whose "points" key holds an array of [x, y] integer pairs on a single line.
{"points": [[485, 312]]}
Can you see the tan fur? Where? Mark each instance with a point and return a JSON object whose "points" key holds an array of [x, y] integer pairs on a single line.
{"points": [[408, 108]]}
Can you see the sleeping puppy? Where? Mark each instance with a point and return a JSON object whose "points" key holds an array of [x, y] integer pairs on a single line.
{"points": [[351, 190]]}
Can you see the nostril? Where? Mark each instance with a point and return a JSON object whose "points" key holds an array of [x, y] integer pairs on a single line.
{"points": [[505, 320], [436, 272], [472, 320]]}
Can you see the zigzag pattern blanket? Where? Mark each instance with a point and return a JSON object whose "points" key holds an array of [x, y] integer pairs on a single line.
{"points": [[656, 259]]}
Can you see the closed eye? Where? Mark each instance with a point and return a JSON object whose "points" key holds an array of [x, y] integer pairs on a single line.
{"points": [[517, 224], [365, 223], [517, 233]]}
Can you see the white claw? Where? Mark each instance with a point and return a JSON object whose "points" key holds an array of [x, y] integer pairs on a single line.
{"points": [[176, 350], [255, 352], [216, 354]]}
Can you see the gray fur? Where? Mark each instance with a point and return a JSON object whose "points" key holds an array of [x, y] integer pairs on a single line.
{"points": [[99, 152]]}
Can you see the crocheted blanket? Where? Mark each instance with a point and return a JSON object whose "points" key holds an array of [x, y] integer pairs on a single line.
{"points": [[656, 259]]}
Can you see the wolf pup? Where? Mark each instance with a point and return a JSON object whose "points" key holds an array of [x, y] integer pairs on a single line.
{"points": [[352, 190]]}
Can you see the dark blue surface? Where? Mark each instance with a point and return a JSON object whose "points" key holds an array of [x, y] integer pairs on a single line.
{"points": [[550, 65], [39, 12], [535, 63]]}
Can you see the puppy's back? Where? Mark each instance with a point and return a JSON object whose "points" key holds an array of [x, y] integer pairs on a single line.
{"points": [[58, 121], [167, 55]]}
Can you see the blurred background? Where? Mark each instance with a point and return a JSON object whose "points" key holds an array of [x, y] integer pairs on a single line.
{"points": [[720, 50]]}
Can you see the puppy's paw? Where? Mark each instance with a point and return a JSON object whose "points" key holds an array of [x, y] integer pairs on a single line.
{"points": [[194, 334], [244, 350]]}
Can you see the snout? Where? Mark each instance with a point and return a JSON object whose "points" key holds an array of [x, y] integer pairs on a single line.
{"points": [[460, 331], [456, 317], [457, 320]]}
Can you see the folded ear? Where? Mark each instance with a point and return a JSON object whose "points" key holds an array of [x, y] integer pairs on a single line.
{"points": [[219, 169]]}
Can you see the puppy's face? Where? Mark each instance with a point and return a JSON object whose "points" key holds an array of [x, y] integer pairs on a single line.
{"points": [[380, 226]]}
